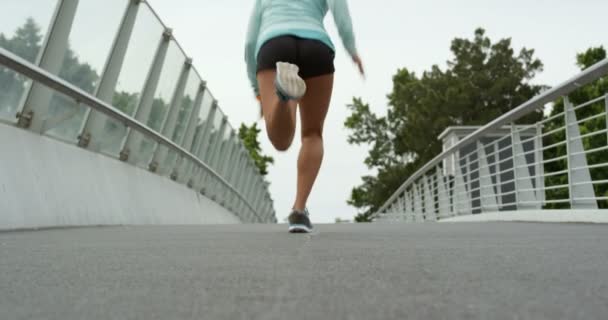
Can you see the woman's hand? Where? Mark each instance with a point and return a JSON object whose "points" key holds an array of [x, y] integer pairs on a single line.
{"points": [[359, 63]]}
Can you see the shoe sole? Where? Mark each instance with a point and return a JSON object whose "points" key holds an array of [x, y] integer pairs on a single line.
{"points": [[298, 228], [289, 82]]}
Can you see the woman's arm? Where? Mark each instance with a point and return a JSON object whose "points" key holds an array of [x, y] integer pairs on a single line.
{"points": [[339, 9], [251, 43]]}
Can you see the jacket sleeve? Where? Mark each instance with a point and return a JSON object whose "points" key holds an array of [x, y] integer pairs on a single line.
{"points": [[251, 43], [341, 14]]}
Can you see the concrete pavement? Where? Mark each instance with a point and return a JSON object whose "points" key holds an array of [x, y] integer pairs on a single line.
{"points": [[417, 271]]}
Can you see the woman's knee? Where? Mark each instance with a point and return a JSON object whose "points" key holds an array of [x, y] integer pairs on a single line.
{"points": [[312, 133], [280, 143]]}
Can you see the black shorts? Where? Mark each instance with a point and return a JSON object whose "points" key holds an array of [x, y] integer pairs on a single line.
{"points": [[313, 57]]}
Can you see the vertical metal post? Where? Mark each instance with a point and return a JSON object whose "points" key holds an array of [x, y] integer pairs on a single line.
{"points": [[461, 196], [217, 144], [442, 194], [188, 137], [203, 132], [540, 167], [215, 147], [220, 148], [429, 205], [230, 161], [582, 194], [170, 121], [514, 168], [247, 186], [606, 115], [234, 167], [200, 143], [228, 165], [185, 169], [202, 151], [257, 197], [498, 172], [220, 188], [92, 130], [417, 203], [486, 188], [34, 106], [525, 199], [238, 167], [143, 109], [239, 180]]}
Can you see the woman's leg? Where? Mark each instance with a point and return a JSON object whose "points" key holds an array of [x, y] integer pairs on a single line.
{"points": [[280, 116], [313, 109]]}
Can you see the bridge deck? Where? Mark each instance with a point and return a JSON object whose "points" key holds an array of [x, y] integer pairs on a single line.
{"points": [[431, 271]]}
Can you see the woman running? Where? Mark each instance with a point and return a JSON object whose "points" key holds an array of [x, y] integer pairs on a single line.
{"points": [[290, 62]]}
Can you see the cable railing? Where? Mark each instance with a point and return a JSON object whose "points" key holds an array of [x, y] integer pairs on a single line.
{"points": [[558, 162], [128, 92]]}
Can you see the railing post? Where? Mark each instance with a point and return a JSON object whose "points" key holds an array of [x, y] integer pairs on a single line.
{"points": [[157, 164], [259, 197], [240, 179], [231, 158], [223, 158], [463, 202], [429, 204], [34, 107], [606, 115], [251, 182], [525, 195], [203, 135], [540, 167], [144, 107], [188, 137], [93, 127], [412, 196], [214, 150], [498, 173], [442, 194], [186, 142], [579, 179], [232, 198], [486, 187], [199, 149], [245, 187], [417, 203], [401, 207]]}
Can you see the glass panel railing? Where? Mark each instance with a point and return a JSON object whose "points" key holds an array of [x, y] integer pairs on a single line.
{"points": [[90, 43], [161, 105], [146, 36], [23, 28], [185, 112]]}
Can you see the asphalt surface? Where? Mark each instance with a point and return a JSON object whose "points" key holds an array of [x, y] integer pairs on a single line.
{"points": [[424, 271]]}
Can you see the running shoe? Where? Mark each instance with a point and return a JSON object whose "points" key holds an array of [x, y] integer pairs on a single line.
{"points": [[288, 83]]}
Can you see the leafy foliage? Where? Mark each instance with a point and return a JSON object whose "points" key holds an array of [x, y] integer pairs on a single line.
{"points": [[249, 136], [482, 81]]}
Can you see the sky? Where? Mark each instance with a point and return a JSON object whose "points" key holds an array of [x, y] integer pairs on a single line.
{"points": [[391, 34]]}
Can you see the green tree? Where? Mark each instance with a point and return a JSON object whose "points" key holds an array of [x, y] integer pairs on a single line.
{"points": [[482, 81], [249, 136]]}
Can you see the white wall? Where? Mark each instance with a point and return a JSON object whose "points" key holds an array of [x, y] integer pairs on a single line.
{"points": [[46, 183]]}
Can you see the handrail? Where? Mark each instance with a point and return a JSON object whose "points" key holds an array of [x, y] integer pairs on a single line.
{"points": [[583, 78], [38, 74]]}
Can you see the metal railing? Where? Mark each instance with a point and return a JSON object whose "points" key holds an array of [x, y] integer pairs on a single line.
{"points": [[559, 162], [171, 126]]}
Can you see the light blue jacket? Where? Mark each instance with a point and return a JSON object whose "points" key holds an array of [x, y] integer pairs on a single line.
{"points": [[301, 18]]}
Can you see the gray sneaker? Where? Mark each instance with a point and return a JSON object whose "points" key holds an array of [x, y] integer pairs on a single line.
{"points": [[299, 222], [289, 85]]}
